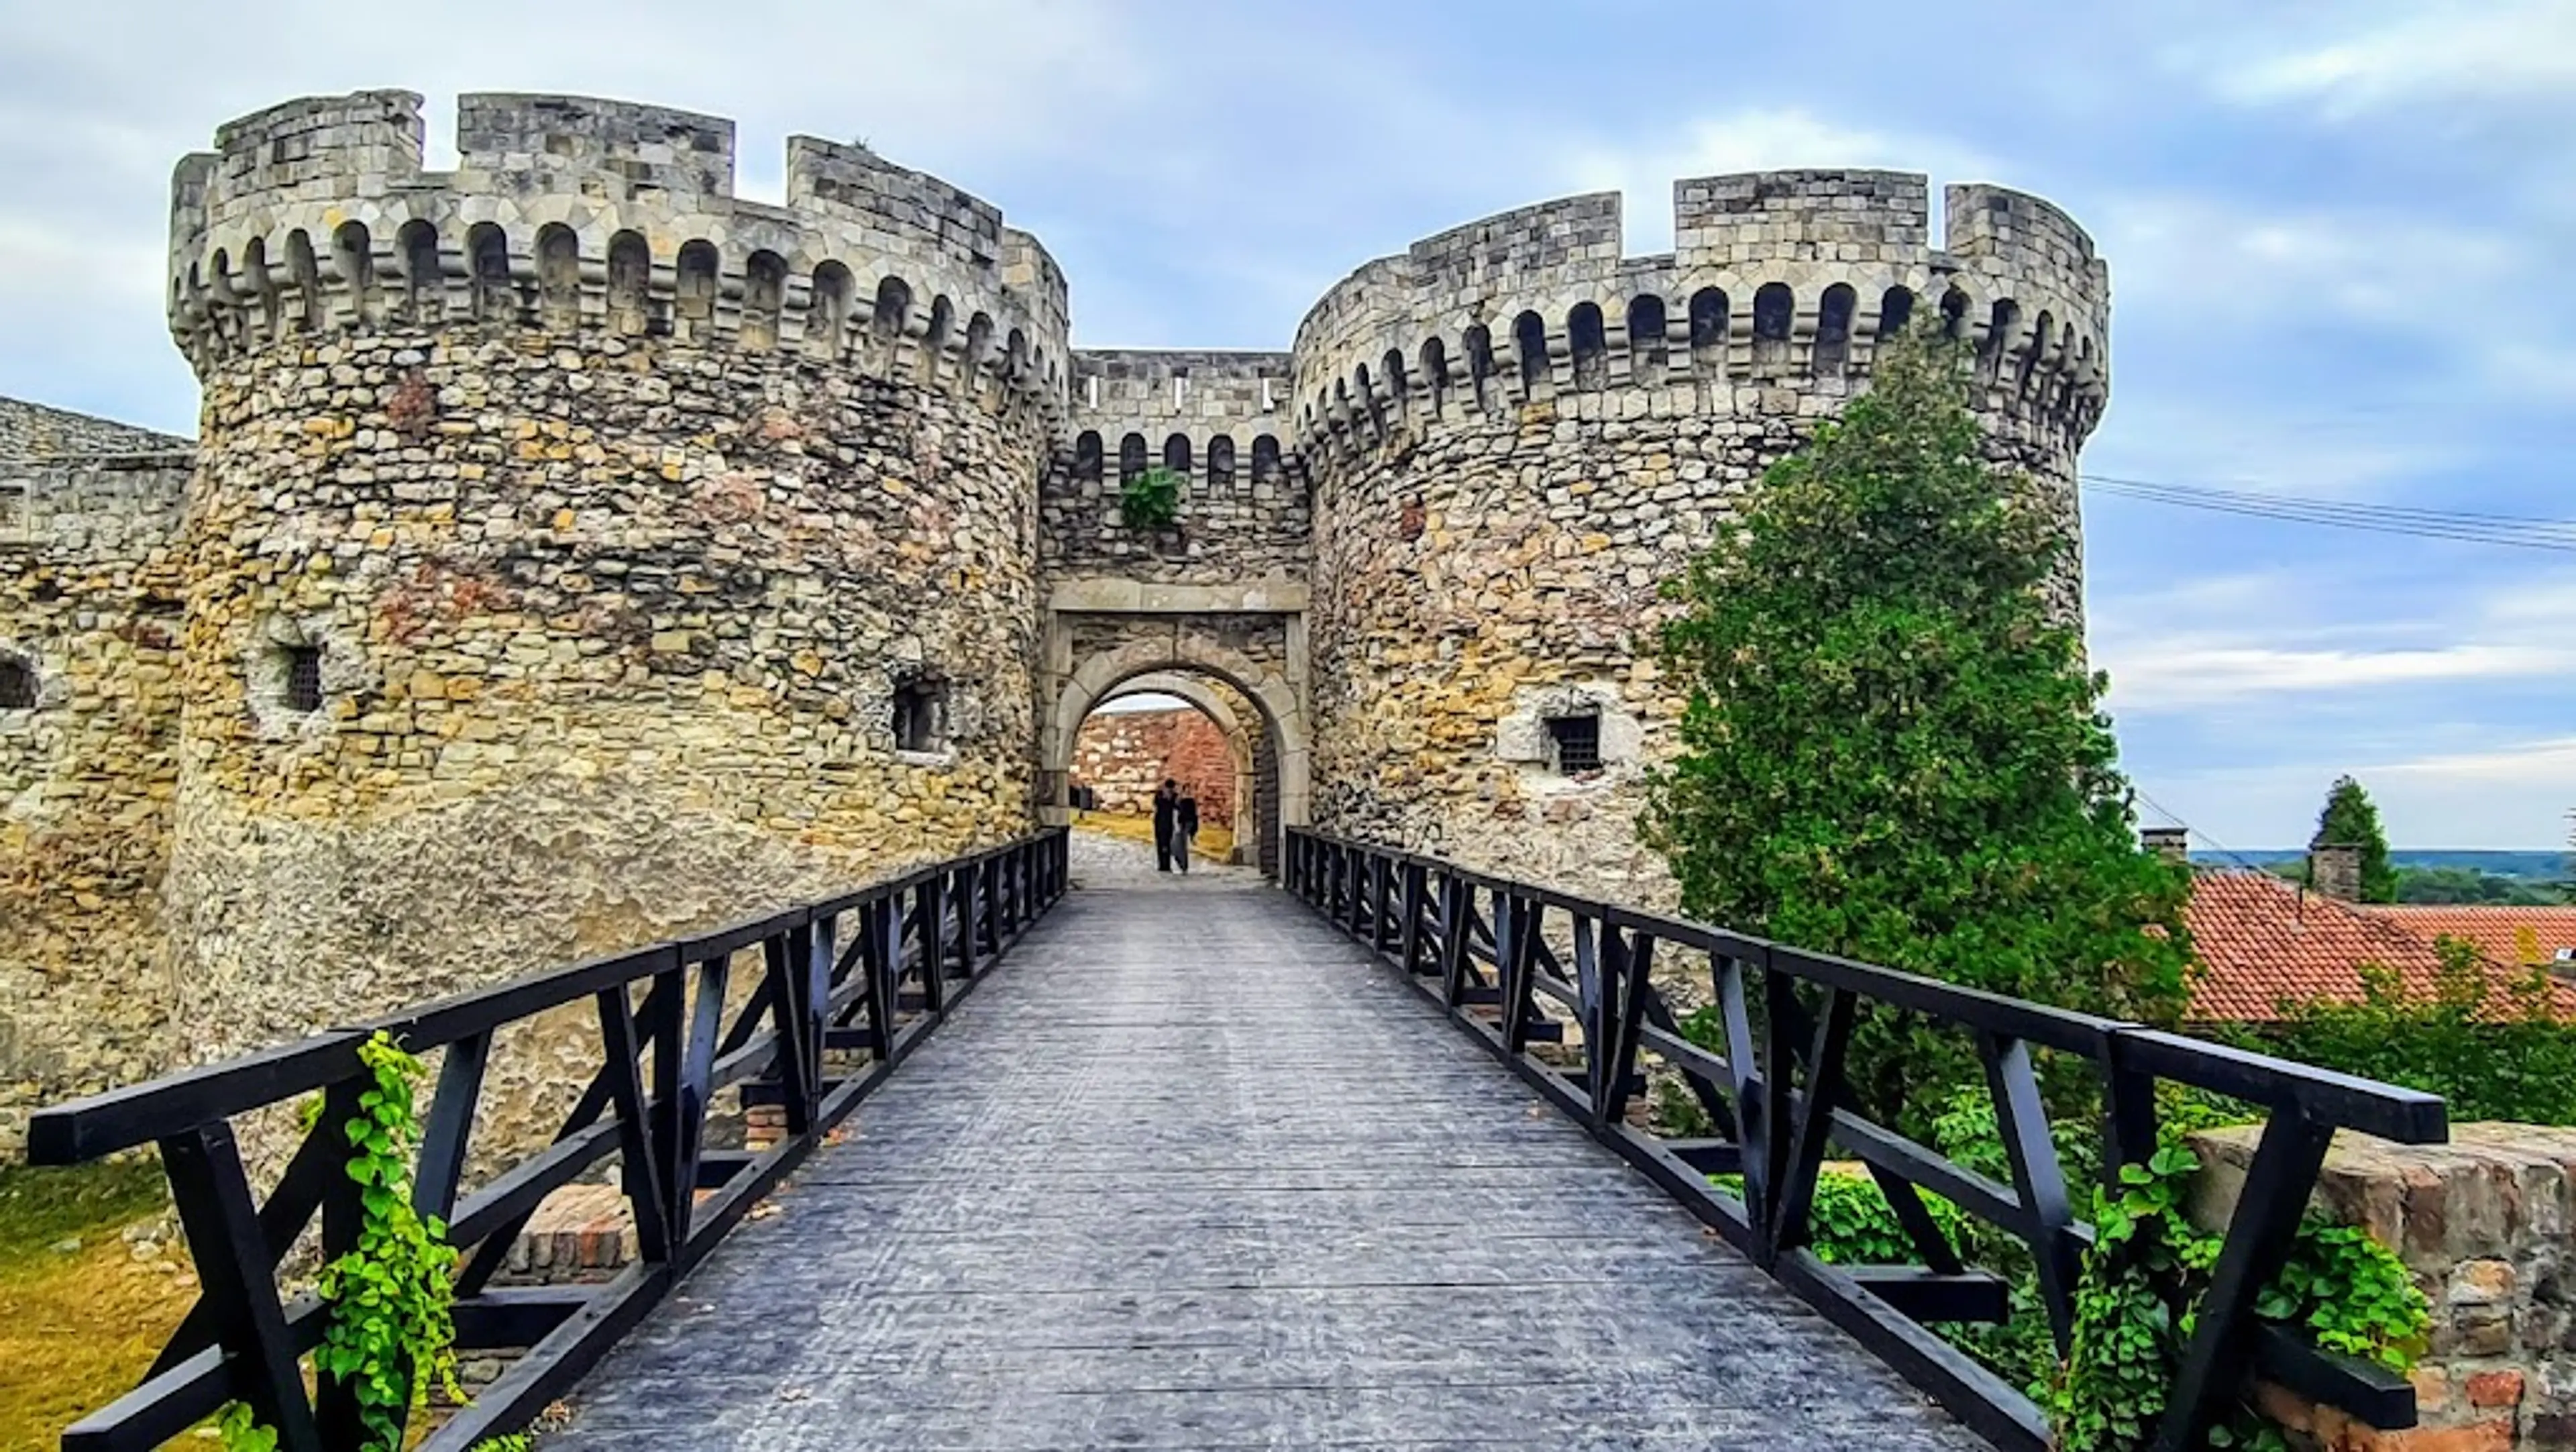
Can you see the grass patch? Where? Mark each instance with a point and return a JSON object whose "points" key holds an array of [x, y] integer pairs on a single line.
{"points": [[77, 1326]]}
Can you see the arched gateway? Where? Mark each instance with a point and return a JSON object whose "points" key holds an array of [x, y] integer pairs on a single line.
{"points": [[1102, 638]]}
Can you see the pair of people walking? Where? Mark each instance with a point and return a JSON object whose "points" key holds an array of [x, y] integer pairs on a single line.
{"points": [[1176, 821]]}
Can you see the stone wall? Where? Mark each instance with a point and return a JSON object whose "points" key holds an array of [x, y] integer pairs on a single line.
{"points": [[31, 434], [2487, 1226], [1124, 755], [1220, 422], [620, 522], [579, 553], [1517, 435], [91, 593]]}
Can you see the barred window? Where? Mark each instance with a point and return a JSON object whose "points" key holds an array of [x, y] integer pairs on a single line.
{"points": [[1577, 740], [303, 677]]}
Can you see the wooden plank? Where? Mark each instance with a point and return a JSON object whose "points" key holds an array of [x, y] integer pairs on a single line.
{"points": [[1194, 1169]]}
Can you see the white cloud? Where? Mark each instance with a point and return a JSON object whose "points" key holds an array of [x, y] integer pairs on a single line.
{"points": [[2286, 633], [2181, 674], [2205, 256], [2515, 796], [1760, 139], [2424, 52]]}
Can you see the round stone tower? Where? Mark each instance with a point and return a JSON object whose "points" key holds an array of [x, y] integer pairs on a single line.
{"points": [[578, 552], [1516, 434]]}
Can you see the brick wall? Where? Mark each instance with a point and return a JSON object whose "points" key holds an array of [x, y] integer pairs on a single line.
{"points": [[1123, 755]]}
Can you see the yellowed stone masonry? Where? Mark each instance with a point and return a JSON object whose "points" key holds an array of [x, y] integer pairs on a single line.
{"points": [[576, 553]]}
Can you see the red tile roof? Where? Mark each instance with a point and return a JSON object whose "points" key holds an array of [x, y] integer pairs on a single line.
{"points": [[2498, 931], [2262, 941]]}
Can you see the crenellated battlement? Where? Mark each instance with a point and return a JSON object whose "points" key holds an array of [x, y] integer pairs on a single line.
{"points": [[568, 213], [1776, 280], [1219, 419]]}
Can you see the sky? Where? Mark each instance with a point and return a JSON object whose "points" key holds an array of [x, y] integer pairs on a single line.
{"points": [[2330, 231]]}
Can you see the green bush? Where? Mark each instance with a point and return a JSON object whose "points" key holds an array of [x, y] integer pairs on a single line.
{"points": [[2493, 1048]]}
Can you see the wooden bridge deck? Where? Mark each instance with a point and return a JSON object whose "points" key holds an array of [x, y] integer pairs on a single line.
{"points": [[1190, 1171]]}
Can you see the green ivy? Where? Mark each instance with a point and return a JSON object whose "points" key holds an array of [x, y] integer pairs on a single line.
{"points": [[1850, 1222], [241, 1432], [392, 1333], [1151, 499], [515, 1442], [2136, 1305]]}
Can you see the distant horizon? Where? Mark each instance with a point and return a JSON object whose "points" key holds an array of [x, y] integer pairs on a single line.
{"points": [[2398, 855]]}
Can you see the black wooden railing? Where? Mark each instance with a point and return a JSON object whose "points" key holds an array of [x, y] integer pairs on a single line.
{"points": [[1484, 948], [871, 971]]}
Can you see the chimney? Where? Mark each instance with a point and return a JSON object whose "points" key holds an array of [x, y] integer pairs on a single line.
{"points": [[2173, 844], [2334, 869]]}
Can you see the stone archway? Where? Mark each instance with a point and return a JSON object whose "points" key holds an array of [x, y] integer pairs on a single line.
{"points": [[1240, 742], [1169, 647]]}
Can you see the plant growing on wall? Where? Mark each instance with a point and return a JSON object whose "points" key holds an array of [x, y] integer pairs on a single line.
{"points": [[1892, 748], [392, 1333], [1150, 499]]}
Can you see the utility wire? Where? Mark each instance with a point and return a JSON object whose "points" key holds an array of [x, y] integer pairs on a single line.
{"points": [[2348, 506], [2510, 531], [2230, 853]]}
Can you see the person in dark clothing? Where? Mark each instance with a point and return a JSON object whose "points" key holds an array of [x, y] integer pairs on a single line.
{"points": [[1167, 805], [1185, 819]]}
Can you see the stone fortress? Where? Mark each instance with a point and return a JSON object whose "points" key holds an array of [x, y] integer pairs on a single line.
{"points": [[574, 552]]}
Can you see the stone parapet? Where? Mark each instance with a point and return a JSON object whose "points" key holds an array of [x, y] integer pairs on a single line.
{"points": [[567, 212], [1218, 420], [2487, 1226], [1780, 282]]}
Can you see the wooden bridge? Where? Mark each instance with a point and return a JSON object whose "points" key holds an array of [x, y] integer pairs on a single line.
{"points": [[1213, 1164]]}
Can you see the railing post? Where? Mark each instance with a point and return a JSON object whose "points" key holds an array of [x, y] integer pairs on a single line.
{"points": [[967, 925], [1410, 949], [335, 1404], [236, 1275], [2275, 1194], [1382, 914], [1457, 908], [932, 915]]}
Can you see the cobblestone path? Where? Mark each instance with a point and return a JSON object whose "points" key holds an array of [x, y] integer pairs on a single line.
{"points": [[1190, 1171]]}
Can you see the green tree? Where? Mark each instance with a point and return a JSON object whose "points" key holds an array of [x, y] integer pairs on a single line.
{"points": [[1892, 748], [2351, 820]]}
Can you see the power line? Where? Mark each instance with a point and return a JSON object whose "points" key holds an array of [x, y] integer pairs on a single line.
{"points": [[2170, 815], [2509, 531], [2351, 506]]}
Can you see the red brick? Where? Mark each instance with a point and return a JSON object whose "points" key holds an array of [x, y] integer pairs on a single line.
{"points": [[2495, 1389]]}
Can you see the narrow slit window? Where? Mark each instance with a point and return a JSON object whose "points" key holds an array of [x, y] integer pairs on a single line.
{"points": [[17, 685], [1577, 741], [303, 678]]}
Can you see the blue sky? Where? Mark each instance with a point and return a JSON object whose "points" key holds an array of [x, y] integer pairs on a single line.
{"points": [[2330, 230]]}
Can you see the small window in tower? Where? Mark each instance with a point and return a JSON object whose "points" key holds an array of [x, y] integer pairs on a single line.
{"points": [[17, 685], [303, 677], [1576, 741], [921, 716]]}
